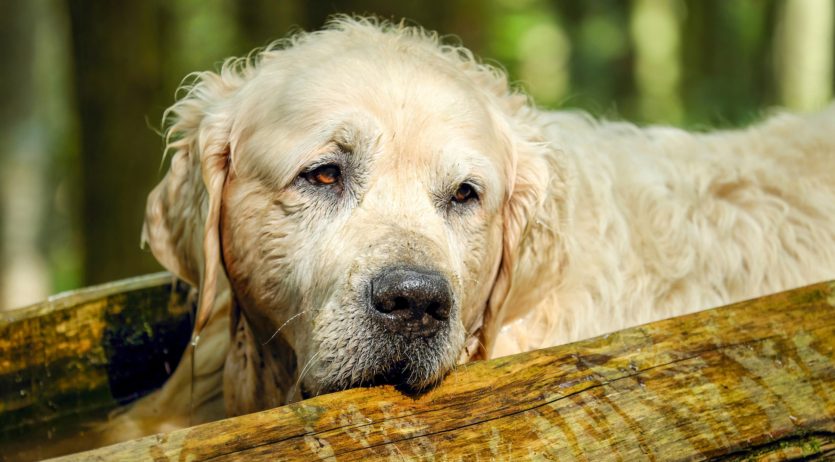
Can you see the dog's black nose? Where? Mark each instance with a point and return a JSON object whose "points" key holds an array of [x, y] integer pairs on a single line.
{"points": [[412, 301]]}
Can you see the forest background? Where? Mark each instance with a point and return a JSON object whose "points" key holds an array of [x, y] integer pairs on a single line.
{"points": [[84, 85]]}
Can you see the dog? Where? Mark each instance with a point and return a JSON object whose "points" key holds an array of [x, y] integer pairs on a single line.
{"points": [[366, 204]]}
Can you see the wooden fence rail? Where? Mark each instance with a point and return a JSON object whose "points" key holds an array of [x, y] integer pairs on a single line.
{"points": [[750, 381], [68, 361]]}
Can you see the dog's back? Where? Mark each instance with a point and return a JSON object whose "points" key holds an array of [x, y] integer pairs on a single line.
{"points": [[665, 222]]}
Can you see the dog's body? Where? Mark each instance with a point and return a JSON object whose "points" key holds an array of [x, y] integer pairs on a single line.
{"points": [[370, 233], [666, 222]]}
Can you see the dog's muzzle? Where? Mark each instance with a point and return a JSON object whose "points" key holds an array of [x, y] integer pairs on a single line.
{"points": [[410, 302]]}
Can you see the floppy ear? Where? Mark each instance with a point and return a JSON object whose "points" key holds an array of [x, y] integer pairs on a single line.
{"points": [[529, 179], [182, 213]]}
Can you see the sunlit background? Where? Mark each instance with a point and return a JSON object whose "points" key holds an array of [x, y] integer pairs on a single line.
{"points": [[84, 85]]}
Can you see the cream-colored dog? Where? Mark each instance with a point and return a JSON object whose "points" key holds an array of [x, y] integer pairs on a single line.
{"points": [[365, 204]]}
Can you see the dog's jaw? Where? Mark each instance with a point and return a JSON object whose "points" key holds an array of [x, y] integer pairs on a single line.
{"points": [[258, 375]]}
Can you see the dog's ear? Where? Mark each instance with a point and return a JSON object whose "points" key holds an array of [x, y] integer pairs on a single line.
{"points": [[530, 175], [183, 211]]}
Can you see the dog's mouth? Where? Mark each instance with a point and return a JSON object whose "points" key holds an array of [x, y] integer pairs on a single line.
{"points": [[402, 331], [411, 364], [400, 374], [405, 375]]}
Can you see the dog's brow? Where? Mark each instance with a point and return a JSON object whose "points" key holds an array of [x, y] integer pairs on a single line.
{"points": [[281, 161]]}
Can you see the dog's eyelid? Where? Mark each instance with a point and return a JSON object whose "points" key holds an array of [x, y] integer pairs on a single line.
{"points": [[475, 184], [319, 164], [332, 154]]}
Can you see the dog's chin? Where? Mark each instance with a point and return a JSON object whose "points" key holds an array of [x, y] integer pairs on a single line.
{"points": [[400, 374], [411, 372]]}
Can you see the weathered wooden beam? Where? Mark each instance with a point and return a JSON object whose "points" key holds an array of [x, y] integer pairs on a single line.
{"points": [[751, 381], [70, 360]]}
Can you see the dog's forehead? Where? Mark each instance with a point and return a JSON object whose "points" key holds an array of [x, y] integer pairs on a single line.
{"points": [[417, 105], [395, 85]]}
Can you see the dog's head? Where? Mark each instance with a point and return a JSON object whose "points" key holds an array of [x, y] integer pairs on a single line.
{"points": [[362, 189]]}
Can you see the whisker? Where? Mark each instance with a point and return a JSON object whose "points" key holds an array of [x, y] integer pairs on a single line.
{"points": [[304, 371], [282, 326], [481, 345]]}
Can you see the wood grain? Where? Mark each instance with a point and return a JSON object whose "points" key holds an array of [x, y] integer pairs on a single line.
{"points": [[79, 355], [750, 381]]}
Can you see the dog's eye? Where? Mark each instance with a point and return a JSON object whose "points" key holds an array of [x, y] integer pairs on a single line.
{"points": [[464, 193], [325, 175]]}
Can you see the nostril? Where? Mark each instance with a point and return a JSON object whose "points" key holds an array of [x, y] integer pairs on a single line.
{"points": [[388, 304], [400, 303], [437, 311]]}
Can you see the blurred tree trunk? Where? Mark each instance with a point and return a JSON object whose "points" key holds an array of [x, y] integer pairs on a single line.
{"points": [[22, 171], [36, 236], [803, 53], [263, 21], [655, 26], [117, 52], [726, 56]]}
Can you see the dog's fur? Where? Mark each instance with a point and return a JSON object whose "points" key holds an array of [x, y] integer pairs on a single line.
{"points": [[581, 227]]}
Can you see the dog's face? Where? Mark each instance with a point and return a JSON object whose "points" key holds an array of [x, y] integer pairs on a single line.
{"points": [[363, 189], [363, 210]]}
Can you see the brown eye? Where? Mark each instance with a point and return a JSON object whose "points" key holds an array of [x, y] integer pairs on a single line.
{"points": [[464, 193], [324, 176]]}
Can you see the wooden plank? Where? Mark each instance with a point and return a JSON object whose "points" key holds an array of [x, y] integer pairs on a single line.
{"points": [[751, 381], [77, 356]]}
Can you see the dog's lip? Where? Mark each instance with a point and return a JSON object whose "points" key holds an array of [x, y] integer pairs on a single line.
{"points": [[398, 374]]}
